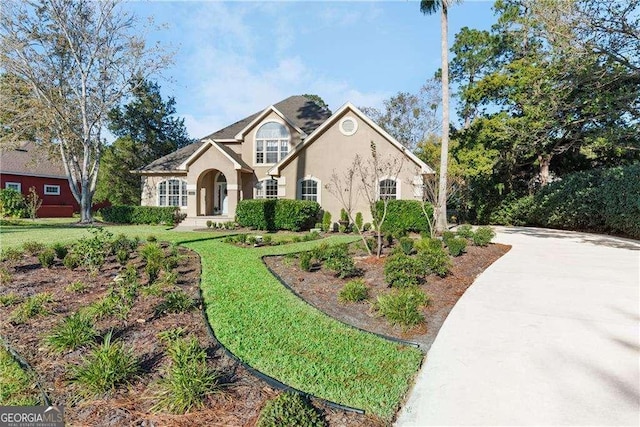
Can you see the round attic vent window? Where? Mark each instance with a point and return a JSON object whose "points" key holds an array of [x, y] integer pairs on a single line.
{"points": [[348, 126]]}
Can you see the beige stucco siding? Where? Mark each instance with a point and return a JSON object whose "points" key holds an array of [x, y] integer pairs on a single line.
{"points": [[333, 151]]}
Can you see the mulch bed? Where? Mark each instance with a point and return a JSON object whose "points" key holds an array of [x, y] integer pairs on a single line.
{"points": [[320, 288]]}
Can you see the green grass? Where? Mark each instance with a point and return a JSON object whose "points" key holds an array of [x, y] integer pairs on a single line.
{"points": [[73, 332], [17, 387], [277, 333]]}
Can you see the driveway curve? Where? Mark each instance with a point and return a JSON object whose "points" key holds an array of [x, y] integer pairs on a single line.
{"points": [[547, 335]]}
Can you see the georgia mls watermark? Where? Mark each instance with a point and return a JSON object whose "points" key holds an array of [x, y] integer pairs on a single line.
{"points": [[32, 416]]}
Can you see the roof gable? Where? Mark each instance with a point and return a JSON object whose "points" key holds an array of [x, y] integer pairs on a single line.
{"points": [[425, 169]]}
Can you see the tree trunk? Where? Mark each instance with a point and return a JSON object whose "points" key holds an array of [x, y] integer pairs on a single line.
{"points": [[86, 215], [545, 162], [441, 221]]}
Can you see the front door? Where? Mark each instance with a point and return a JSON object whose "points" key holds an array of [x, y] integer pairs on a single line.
{"points": [[221, 195]]}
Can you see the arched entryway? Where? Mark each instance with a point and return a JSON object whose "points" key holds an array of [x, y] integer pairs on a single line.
{"points": [[212, 193]]}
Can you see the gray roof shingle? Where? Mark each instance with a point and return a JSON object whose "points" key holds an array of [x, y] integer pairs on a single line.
{"points": [[299, 110], [31, 159]]}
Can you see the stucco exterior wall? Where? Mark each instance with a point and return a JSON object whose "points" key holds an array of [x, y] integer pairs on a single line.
{"points": [[333, 151], [150, 183]]}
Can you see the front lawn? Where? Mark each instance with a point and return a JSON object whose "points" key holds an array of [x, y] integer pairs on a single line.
{"points": [[268, 327]]}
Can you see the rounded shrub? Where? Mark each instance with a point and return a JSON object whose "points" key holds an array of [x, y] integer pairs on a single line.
{"points": [[289, 410], [46, 257], [60, 250], [353, 291], [457, 246], [433, 256], [401, 270], [402, 306], [305, 261], [483, 236], [71, 261]]}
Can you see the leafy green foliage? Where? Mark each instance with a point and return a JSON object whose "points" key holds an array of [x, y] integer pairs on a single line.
{"points": [[31, 307], [60, 250], [77, 287], [326, 221], [457, 246], [402, 306], [188, 380], [289, 410], [406, 245], [434, 257], [12, 203], [12, 255], [17, 386], [401, 270], [93, 250], [305, 261], [72, 261], [47, 257], [106, 367], [9, 299], [124, 214], [483, 236], [404, 216], [359, 221], [33, 247], [176, 302], [277, 214], [353, 291], [465, 230], [74, 331]]}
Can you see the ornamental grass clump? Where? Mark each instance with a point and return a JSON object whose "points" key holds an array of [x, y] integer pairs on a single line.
{"points": [[31, 307], [74, 331], [107, 366], [176, 302], [402, 306], [289, 410], [353, 291], [188, 380]]}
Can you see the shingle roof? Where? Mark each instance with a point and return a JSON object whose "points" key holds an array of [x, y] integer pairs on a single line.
{"points": [[30, 159], [299, 110]]}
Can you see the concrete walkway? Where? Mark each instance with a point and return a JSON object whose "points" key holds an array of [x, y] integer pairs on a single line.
{"points": [[548, 335]]}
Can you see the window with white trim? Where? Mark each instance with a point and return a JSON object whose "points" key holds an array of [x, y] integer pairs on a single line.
{"points": [[272, 143], [309, 189], [388, 189], [13, 186], [172, 192], [51, 190], [266, 189]]}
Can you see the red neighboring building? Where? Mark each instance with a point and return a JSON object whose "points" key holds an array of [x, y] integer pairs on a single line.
{"points": [[29, 166]]}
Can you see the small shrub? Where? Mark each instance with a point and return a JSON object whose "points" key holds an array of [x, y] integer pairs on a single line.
{"points": [[5, 276], [104, 307], [153, 270], [93, 250], [74, 331], [267, 240], [366, 226], [71, 261], [170, 335], [151, 238], [406, 244], [176, 302], [251, 240], [12, 255], [326, 221], [34, 248], [434, 256], [122, 256], [9, 299], [401, 270], [305, 261], [404, 216], [188, 380], [107, 366], [353, 291], [121, 243], [60, 250], [47, 257], [359, 221], [12, 203], [402, 307], [456, 246], [209, 223], [77, 288], [31, 307], [483, 236], [465, 230], [168, 215], [447, 235], [289, 410]]}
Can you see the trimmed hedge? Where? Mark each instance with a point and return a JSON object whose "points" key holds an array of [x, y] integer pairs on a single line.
{"points": [[605, 200], [404, 216], [139, 214], [277, 214]]}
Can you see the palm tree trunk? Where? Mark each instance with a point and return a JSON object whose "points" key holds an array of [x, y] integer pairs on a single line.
{"points": [[441, 220]]}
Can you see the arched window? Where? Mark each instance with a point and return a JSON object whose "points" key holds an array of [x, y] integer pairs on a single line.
{"points": [[272, 143], [309, 189], [172, 192], [266, 189], [388, 189]]}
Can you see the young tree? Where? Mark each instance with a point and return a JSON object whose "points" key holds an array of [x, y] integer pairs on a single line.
{"points": [[33, 202], [146, 129], [429, 7], [78, 59]]}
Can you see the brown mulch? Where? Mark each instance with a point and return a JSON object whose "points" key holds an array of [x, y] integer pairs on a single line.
{"points": [[320, 288]]}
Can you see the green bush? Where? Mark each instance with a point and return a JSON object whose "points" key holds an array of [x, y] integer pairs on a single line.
{"points": [[401, 270], [402, 306], [483, 236], [47, 257], [12, 203], [447, 235], [404, 216], [60, 250], [71, 261], [406, 245], [338, 259], [107, 366], [33, 247], [359, 221], [12, 255], [289, 410], [305, 261], [140, 214], [31, 307], [366, 226], [433, 256], [93, 250], [353, 291], [465, 230], [513, 211], [277, 214], [326, 221], [457, 246], [74, 331]]}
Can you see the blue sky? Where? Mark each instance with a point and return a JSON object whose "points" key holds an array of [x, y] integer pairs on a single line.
{"points": [[235, 58]]}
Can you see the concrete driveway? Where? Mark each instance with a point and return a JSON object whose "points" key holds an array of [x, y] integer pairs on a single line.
{"points": [[548, 335]]}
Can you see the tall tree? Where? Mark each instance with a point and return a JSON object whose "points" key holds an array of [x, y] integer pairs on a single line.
{"points": [[147, 129], [429, 7], [78, 59]]}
